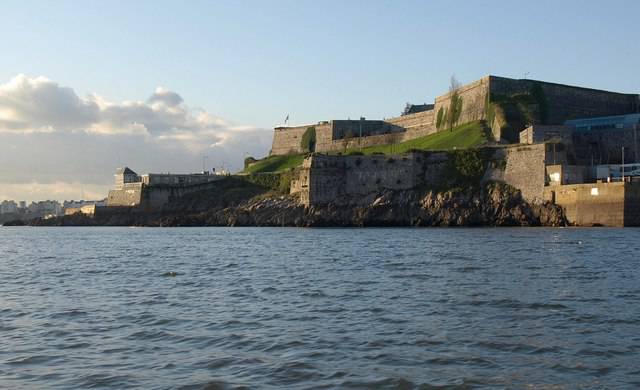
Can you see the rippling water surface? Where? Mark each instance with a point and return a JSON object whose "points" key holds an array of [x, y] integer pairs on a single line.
{"points": [[217, 308]]}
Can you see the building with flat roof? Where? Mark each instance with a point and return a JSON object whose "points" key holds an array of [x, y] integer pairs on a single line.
{"points": [[622, 122], [155, 189]]}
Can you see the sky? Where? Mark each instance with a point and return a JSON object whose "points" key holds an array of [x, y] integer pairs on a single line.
{"points": [[88, 86]]}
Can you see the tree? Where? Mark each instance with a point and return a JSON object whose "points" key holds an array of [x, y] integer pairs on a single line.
{"points": [[407, 108]]}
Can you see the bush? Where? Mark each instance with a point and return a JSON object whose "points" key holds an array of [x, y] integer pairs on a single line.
{"points": [[513, 113], [455, 109], [308, 141], [248, 161], [279, 182], [284, 184], [470, 163], [440, 118], [465, 168]]}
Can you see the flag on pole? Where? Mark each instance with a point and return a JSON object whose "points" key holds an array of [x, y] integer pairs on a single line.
{"points": [[286, 120]]}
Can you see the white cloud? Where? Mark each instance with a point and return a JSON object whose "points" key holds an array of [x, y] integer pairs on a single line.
{"points": [[52, 191], [30, 104], [48, 134], [37, 105], [164, 96]]}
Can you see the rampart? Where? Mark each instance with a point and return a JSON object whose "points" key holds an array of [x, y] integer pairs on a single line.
{"points": [[522, 167], [287, 140], [129, 195], [415, 125], [565, 102], [154, 197], [337, 135], [323, 179], [548, 103], [151, 196], [473, 100]]}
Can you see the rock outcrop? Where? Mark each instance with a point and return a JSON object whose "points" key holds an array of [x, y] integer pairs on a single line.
{"points": [[492, 205]]}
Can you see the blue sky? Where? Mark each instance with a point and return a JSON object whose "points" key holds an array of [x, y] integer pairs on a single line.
{"points": [[253, 62]]}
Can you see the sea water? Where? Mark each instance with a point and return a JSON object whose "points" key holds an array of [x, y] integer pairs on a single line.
{"points": [[217, 308]]}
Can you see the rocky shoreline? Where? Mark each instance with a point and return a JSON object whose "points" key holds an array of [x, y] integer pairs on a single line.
{"points": [[492, 205]]}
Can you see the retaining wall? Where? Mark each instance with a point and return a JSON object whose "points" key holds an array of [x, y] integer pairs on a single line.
{"points": [[323, 179], [129, 195], [474, 97], [566, 102], [590, 204]]}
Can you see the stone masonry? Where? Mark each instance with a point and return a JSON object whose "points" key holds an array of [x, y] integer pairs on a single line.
{"points": [[562, 102], [323, 179]]}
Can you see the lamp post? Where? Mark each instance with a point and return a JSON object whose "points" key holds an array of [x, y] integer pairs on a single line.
{"points": [[623, 164], [204, 158], [635, 142], [360, 137]]}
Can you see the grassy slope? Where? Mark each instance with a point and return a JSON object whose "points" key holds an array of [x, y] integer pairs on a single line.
{"points": [[465, 136], [276, 163]]}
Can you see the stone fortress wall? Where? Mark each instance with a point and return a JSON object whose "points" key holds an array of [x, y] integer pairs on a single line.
{"points": [[599, 204], [524, 168], [337, 135], [286, 140], [129, 194], [561, 103], [153, 191], [474, 100], [323, 179], [152, 196], [415, 125], [565, 102]]}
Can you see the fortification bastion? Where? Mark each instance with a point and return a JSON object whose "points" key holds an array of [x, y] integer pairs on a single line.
{"points": [[507, 105]]}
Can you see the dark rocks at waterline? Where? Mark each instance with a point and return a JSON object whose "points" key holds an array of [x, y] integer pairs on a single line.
{"points": [[15, 222], [493, 205]]}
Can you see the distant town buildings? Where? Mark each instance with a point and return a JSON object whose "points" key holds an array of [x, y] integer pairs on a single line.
{"points": [[12, 210], [8, 206]]}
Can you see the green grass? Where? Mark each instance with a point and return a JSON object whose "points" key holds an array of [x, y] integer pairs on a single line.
{"points": [[462, 137], [276, 163]]}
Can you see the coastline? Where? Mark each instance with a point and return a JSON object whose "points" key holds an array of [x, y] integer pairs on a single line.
{"points": [[491, 205]]}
